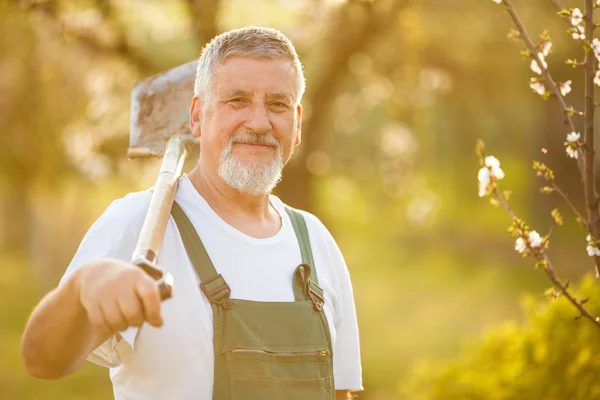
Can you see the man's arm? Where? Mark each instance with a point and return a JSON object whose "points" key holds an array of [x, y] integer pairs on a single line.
{"points": [[98, 300], [58, 336]]}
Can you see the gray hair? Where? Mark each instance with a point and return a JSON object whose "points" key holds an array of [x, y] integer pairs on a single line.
{"points": [[253, 42]]}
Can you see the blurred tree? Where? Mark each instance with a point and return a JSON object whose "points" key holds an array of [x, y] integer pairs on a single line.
{"points": [[30, 147], [99, 31], [351, 30]]}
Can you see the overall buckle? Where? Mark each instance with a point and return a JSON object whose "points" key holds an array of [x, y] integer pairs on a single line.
{"points": [[315, 293], [217, 291]]}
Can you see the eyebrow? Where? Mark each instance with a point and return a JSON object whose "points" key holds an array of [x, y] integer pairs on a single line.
{"points": [[239, 92], [280, 96], [275, 95]]}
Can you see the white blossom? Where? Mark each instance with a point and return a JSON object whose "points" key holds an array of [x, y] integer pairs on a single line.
{"points": [[573, 137], [520, 245], [484, 178], [578, 32], [500, 1], [491, 171], [538, 87], [535, 66], [571, 146], [493, 164], [576, 17], [597, 78], [596, 47], [546, 48], [533, 238], [572, 152], [565, 88], [592, 246], [592, 251]]}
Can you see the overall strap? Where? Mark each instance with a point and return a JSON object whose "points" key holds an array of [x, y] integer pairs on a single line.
{"points": [[303, 240], [306, 283], [212, 283]]}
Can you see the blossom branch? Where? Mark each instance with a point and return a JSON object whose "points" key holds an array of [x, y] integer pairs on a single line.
{"points": [[545, 73], [579, 304], [539, 253]]}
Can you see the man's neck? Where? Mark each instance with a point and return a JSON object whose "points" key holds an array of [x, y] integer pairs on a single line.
{"points": [[248, 213]]}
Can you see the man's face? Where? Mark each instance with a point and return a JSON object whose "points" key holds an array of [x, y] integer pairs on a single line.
{"points": [[248, 123]]}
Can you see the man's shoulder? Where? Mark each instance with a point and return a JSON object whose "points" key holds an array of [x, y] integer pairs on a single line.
{"points": [[314, 225], [129, 210]]}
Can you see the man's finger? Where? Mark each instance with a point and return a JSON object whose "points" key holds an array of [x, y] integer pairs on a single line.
{"points": [[96, 319], [131, 308], [147, 291], [113, 317]]}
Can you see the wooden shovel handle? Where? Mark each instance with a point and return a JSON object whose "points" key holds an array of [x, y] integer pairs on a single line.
{"points": [[155, 224]]}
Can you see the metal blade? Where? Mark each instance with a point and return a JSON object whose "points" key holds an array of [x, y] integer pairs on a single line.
{"points": [[159, 109]]}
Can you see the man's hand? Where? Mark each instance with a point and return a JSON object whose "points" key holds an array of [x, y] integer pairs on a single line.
{"points": [[117, 295], [98, 300]]}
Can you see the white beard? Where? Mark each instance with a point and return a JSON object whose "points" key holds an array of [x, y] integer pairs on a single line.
{"points": [[247, 178]]}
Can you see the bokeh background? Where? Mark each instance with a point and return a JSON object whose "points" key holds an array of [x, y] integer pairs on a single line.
{"points": [[398, 93]]}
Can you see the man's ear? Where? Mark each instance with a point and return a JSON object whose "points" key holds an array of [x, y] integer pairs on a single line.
{"points": [[195, 112], [298, 124]]}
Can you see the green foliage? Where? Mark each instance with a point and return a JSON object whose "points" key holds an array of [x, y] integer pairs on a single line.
{"points": [[548, 356]]}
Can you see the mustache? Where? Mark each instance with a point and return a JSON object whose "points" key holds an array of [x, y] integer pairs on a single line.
{"points": [[253, 138]]}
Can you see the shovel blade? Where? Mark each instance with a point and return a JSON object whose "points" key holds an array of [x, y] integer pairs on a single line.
{"points": [[160, 109]]}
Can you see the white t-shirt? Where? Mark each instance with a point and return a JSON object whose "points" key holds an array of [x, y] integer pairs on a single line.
{"points": [[176, 361]]}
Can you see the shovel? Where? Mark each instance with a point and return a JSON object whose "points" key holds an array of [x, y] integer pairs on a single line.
{"points": [[160, 128]]}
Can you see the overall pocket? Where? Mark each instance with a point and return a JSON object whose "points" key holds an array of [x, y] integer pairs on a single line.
{"points": [[259, 374]]}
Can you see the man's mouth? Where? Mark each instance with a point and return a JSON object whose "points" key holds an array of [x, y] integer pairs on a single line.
{"points": [[254, 144]]}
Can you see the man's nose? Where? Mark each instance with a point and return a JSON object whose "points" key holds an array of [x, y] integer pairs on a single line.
{"points": [[258, 120]]}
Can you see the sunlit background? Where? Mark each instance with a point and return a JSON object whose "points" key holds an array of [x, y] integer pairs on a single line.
{"points": [[398, 92]]}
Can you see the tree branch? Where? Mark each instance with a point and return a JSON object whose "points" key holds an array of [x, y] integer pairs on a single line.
{"points": [[585, 163], [589, 177], [545, 73], [540, 255]]}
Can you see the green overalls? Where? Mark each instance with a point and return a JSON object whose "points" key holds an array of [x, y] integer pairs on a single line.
{"points": [[266, 350]]}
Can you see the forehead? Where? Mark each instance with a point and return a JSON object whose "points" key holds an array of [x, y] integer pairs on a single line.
{"points": [[255, 75]]}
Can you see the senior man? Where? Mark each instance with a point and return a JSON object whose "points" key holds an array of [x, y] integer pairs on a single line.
{"points": [[263, 305]]}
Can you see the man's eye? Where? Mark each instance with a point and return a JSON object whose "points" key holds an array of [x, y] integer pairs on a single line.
{"points": [[279, 104], [237, 100]]}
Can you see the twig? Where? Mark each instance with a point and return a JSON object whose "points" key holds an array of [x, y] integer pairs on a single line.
{"points": [[562, 194], [504, 203], [549, 270], [540, 255]]}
